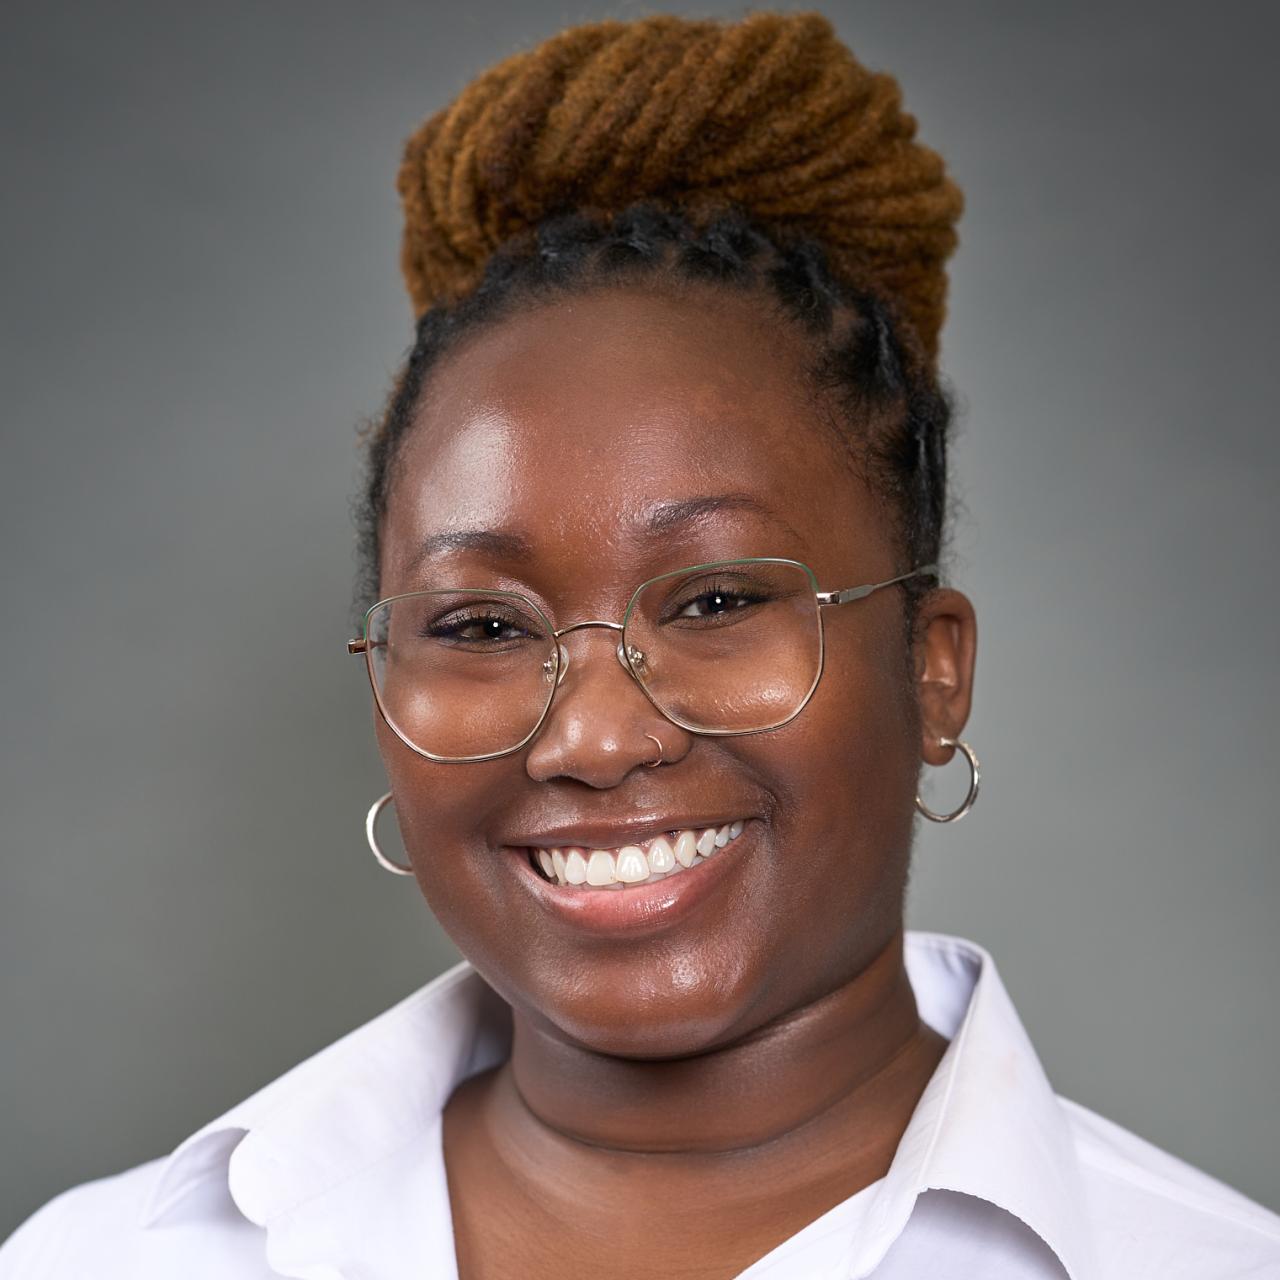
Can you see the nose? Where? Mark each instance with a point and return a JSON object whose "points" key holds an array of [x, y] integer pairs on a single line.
{"points": [[598, 727]]}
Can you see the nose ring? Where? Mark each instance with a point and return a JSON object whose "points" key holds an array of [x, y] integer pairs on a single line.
{"points": [[653, 764]]}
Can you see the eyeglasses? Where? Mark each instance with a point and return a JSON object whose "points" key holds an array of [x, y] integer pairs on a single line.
{"points": [[726, 648]]}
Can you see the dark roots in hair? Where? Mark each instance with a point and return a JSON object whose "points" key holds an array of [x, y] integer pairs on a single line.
{"points": [[891, 413]]}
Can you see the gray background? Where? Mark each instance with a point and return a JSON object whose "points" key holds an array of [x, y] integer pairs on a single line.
{"points": [[201, 300]]}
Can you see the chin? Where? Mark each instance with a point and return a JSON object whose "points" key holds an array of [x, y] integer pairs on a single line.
{"points": [[651, 1039], [678, 1018]]}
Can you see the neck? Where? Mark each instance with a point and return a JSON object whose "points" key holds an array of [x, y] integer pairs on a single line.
{"points": [[860, 1053]]}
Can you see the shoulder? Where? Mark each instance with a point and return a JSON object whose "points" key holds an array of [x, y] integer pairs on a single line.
{"points": [[98, 1229], [1154, 1214], [200, 1214], [1094, 1186], [87, 1230]]}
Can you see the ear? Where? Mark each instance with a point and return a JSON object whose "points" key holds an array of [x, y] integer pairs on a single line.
{"points": [[946, 642]]}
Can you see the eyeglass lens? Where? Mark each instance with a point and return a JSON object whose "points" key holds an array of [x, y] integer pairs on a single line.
{"points": [[733, 647]]}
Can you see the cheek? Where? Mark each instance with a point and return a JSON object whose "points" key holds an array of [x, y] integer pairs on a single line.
{"points": [[858, 738], [441, 810], [846, 772]]}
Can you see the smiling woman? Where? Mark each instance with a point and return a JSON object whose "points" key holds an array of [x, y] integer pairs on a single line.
{"points": [[658, 643], [690, 444]]}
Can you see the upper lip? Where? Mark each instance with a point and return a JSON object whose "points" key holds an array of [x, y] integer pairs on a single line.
{"points": [[613, 835]]}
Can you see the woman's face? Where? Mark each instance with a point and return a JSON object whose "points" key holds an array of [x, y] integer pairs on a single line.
{"points": [[566, 428]]}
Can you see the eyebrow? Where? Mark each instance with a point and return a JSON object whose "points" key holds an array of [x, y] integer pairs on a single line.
{"points": [[490, 541], [668, 516], [662, 518]]}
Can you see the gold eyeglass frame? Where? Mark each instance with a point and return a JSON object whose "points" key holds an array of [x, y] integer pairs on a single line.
{"points": [[629, 657]]}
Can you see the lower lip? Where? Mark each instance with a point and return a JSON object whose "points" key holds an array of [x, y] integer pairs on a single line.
{"points": [[636, 908]]}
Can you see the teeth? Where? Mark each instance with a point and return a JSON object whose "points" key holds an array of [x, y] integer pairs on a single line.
{"points": [[686, 848], [631, 867], [600, 868], [664, 855]]}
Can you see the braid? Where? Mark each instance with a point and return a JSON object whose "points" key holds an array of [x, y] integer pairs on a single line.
{"points": [[757, 155]]}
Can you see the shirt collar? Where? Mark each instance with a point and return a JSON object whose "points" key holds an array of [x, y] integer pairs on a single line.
{"points": [[348, 1105], [988, 1124]]}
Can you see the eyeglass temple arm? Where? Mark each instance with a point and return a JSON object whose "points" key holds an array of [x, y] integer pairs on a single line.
{"points": [[858, 593]]}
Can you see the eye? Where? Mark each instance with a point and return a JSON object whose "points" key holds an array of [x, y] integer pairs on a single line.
{"points": [[478, 629], [714, 601]]}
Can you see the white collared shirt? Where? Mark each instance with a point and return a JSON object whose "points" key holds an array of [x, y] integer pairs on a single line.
{"points": [[335, 1171]]}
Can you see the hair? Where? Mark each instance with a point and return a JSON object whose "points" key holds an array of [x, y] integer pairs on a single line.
{"points": [[757, 156]]}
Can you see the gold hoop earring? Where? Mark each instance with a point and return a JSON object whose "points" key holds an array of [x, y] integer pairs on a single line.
{"points": [[975, 776], [653, 764], [374, 809]]}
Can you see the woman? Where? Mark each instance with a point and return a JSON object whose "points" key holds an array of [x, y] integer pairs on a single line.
{"points": [[658, 642]]}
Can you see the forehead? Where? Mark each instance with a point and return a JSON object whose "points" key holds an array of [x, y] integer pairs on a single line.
{"points": [[572, 423]]}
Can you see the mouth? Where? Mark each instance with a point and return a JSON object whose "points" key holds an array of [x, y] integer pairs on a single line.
{"points": [[649, 884], [632, 865]]}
